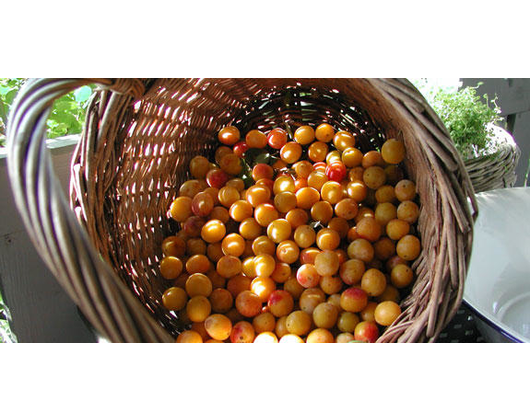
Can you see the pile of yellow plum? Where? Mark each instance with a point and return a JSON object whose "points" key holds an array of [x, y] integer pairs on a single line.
{"points": [[291, 238]]}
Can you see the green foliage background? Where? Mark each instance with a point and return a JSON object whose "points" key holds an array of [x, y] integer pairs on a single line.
{"points": [[67, 116], [467, 116]]}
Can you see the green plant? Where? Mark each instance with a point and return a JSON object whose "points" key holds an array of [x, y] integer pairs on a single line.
{"points": [[469, 120], [68, 112], [8, 90], [468, 116]]}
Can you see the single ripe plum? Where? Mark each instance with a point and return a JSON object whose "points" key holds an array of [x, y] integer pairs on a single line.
{"points": [[228, 135], [336, 171], [277, 138], [353, 299], [327, 263], [218, 326], [217, 178], [242, 332], [307, 275], [366, 331], [248, 304], [280, 303]]}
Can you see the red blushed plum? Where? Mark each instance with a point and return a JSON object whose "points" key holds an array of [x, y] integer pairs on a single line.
{"points": [[193, 226], [353, 299], [202, 204], [217, 178], [242, 332], [277, 138], [307, 276], [280, 303], [366, 331], [336, 171], [240, 148], [308, 255], [261, 171]]}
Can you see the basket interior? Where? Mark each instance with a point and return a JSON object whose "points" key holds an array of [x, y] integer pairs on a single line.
{"points": [[158, 134]]}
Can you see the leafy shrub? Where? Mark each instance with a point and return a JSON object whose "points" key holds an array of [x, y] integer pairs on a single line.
{"points": [[468, 119], [67, 116]]}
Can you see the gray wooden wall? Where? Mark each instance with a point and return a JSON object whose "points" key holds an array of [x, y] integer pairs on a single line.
{"points": [[513, 97], [41, 311]]}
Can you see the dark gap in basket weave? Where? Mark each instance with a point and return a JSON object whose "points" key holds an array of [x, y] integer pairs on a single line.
{"points": [[294, 107]]}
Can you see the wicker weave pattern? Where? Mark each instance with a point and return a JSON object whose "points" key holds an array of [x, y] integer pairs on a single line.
{"points": [[134, 153], [496, 170]]}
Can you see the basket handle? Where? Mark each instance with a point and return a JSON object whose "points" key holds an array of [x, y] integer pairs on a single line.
{"points": [[61, 241]]}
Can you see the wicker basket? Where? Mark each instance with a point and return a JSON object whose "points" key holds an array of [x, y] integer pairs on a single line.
{"points": [[497, 169], [138, 139]]}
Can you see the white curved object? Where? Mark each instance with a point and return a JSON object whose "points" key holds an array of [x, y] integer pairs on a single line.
{"points": [[498, 282]]}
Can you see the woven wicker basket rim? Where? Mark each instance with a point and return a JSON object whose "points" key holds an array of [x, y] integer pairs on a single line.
{"points": [[496, 169], [505, 143]]}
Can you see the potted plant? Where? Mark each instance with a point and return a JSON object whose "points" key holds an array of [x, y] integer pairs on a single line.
{"points": [[489, 152]]}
